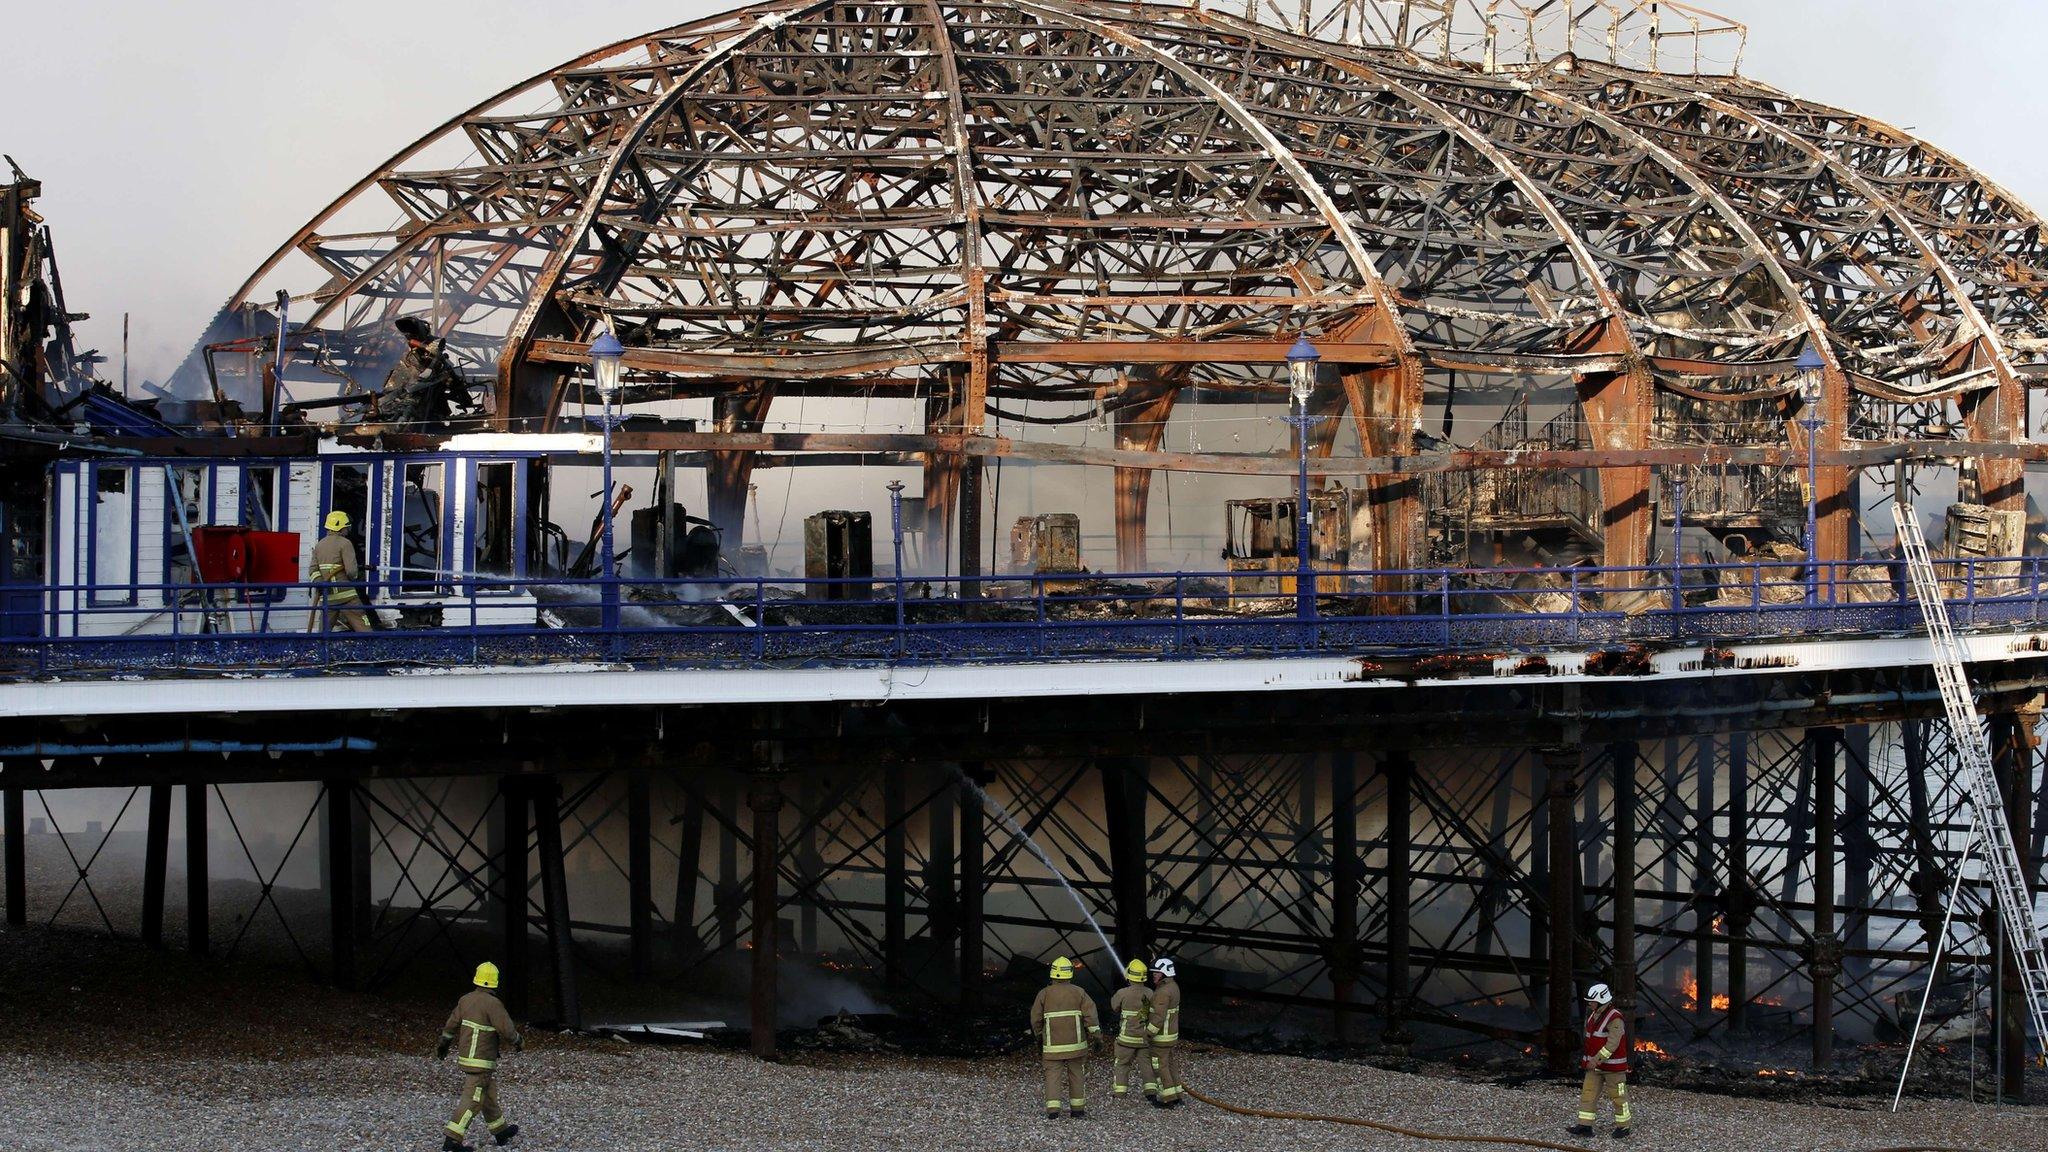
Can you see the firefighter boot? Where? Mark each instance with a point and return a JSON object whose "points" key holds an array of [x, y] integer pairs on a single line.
{"points": [[1580, 1130], [451, 1144], [504, 1135], [1621, 1133]]}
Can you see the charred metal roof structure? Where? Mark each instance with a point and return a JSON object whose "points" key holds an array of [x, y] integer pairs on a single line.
{"points": [[1056, 212]]}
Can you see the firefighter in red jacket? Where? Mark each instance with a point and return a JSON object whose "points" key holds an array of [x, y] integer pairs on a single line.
{"points": [[1606, 1063]]}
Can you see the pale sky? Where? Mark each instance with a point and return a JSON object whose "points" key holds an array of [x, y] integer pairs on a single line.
{"points": [[179, 143]]}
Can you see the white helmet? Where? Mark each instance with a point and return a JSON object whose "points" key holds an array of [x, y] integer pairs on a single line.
{"points": [[1164, 966], [1600, 994]]}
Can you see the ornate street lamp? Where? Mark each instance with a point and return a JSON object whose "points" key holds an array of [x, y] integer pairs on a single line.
{"points": [[1810, 380], [1301, 381], [607, 357]]}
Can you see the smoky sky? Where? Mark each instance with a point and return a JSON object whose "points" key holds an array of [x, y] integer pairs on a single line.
{"points": [[180, 143]]}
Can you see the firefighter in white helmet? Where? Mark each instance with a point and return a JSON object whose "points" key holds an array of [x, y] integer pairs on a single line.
{"points": [[1164, 1031], [1064, 1021], [1132, 1008], [1606, 1063]]}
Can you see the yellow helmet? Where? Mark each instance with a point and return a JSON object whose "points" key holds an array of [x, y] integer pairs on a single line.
{"points": [[1135, 971], [1062, 969], [337, 521], [487, 975]]}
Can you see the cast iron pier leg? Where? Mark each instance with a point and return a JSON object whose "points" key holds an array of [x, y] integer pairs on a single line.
{"points": [[197, 915], [1344, 868], [1826, 961], [341, 883], [1623, 764], [2012, 747], [513, 878], [1399, 769], [17, 859], [973, 855], [1561, 766], [895, 875], [1740, 898], [765, 798], [554, 884], [1704, 900], [689, 867], [156, 853], [1123, 803], [640, 873]]}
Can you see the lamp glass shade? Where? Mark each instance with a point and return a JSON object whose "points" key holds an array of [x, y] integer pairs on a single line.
{"points": [[1301, 367], [606, 357]]}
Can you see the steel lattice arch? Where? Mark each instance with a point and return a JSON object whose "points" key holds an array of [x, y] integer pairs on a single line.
{"points": [[1041, 213]]}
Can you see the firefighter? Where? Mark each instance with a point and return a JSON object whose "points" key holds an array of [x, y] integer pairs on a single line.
{"points": [[1063, 1018], [420, 387], [1132, 1007], [1162, 1030], [478, 1031], [1606, 1063], [335, 571]]}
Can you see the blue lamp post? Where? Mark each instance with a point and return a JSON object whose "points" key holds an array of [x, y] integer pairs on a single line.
{"points": [[607, 356], [1811, 370], [1301, 381]]}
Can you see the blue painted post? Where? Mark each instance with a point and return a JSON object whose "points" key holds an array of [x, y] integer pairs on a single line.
{"points": [[1677, 556], [896, 539]]}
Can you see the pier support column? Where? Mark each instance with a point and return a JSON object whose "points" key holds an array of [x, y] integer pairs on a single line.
{"points": [[1399, 769], [942, 903], [341, 882], [1825, 963], [725, 893], [1123, 803], [1741, 899], [554, 886], [1344, 882], [895, 876], [1561, 1035], [2012, 758], [764, 796], [156, 863], [640, 873], [16, 828], [973, 886], [513, 880], [198, 915], [689, 872], [1705, 898], [1859, 848], [1622, 764]]}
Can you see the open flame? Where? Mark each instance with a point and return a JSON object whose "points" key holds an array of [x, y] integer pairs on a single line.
{"points": [[1689, 987], [1787, 1073], [1653, 1048]]}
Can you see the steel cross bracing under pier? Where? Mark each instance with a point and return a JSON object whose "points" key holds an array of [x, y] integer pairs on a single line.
{"points": [[1427, 899]]}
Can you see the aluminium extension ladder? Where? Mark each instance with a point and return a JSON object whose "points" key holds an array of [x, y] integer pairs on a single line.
{"points": [[2001, 859]]}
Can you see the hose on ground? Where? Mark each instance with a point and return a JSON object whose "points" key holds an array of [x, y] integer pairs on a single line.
{"points": [[1418, 1134]]}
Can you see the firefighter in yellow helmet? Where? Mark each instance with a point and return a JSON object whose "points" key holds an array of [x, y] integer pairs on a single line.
{"points": [[1132, 1008], [335, 571], [1606, 1063], [1163, 1029], [478, 1031], [1064, 1021]]}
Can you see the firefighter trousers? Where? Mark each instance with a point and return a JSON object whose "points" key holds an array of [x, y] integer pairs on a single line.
{"points": [[1066, 1078], [479, 1098], [1133, 1066], [330, 614], [1166, 1071], [1614, 1086]]}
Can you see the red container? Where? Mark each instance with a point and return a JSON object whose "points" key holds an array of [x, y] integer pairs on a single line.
{"points": [[223, 554], [273, 557]]}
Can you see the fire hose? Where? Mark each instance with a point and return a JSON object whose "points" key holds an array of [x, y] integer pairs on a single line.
{"points": [[1418, 1134]]}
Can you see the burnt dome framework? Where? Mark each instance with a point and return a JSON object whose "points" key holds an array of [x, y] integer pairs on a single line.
{"points": [[1034, 213]]}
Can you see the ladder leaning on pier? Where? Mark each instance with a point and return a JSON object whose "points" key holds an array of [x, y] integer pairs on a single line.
{"points": [[1994, 842]]}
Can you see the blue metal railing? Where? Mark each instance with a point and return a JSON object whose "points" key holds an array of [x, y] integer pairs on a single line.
{"points": [[783, 622]]}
